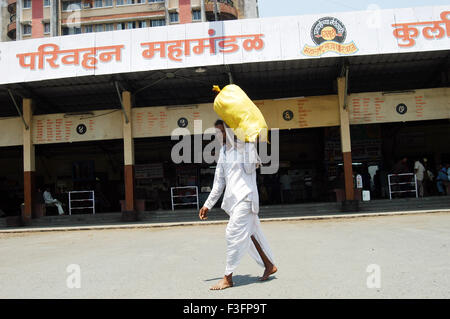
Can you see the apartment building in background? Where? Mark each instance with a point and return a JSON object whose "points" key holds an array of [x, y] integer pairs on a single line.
{"points": [[26, 19]]}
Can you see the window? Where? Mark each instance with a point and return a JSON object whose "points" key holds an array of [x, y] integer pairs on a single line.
{"points": [[88, 28], [108, 3], [119, 2], [71, 5], [99, 28], [155, 1], [109, 27], [26, 29], [26, 4], [173, 16], [157, 23], [98, 3], [142, 24], [46, 28], [121, 26], [131, 25], [196, 15], [46, 3], [71, 30]]}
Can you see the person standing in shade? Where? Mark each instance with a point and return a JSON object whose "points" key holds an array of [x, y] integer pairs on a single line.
{"points": [[419, 170], [236, 174], [286, 187]]}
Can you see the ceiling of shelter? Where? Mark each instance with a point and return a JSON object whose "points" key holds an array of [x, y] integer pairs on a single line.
{"points": [[260, 80]]}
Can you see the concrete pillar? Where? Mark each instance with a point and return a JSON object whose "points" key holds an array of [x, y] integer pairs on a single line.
{"points": [[345, 140], [166, 11], [19, 20], [54, 21], [128, 149], [29, 166], [3, 25], [203, 11]]}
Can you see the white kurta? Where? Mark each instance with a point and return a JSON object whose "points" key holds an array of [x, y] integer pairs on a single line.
{"points": [[50, 200], [236, 173]]}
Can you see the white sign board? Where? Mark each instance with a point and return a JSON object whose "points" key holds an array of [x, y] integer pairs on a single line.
{"points": [[227, 42]]}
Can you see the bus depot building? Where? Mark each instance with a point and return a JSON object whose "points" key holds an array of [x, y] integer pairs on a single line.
{"points": [[349, 93]]}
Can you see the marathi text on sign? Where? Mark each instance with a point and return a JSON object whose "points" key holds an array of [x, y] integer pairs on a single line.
{"points": [[176, 49], [408, 32], [72, 56]]}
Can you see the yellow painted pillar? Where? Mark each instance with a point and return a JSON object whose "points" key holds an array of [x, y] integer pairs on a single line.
{"points": [[345, 140], [128, 149], [29, 166]]}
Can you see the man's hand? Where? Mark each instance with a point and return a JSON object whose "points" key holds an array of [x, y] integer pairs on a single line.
{"points": [[203, 213]]}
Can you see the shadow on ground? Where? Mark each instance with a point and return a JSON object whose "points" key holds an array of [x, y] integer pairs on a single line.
{"points": [[244, 280]]}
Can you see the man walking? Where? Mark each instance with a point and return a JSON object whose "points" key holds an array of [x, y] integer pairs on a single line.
{"points": [[236, 173]]}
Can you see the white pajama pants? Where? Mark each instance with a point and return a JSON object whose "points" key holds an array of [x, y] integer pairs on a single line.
{"points": [[57, 203], [242, 225]]}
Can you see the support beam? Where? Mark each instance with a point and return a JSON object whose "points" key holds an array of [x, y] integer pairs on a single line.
{"points": [[17, 108], [130, 213], [202, 10], [230, 74], [125, 115], [29, 166], [216, 11], [345, 139], [166, 11], [54, 21]]}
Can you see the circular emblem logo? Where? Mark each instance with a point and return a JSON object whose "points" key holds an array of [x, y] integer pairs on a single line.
{"points": [[182, 122], [288, 115], [328, 29], [401, 108], [81, 129]]}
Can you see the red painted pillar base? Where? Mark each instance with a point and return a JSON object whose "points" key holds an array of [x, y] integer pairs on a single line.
{"points": [[130, 213], [29, 192], [349, 204], [348, 176]]}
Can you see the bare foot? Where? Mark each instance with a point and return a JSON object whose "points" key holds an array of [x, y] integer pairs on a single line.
{"points": [[222, 284], [267, 272]]}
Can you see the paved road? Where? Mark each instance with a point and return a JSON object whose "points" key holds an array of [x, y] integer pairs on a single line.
{"points": [[316, 259]]}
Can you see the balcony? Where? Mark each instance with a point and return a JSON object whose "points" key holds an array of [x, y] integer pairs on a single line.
{"points": [[226, 10], [12, 30], [12, 6]]}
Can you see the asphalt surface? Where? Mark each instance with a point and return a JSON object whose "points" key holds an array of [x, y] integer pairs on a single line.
{"points": [[316, 259]]}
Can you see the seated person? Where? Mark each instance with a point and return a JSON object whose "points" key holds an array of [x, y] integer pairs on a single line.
{"points": [[49, 200], [441, 179]]}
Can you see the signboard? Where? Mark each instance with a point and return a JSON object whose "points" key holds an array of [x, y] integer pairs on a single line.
{"points": [[226, 42], [59, 128], [417, 105], [294, 113], [145, 171]]}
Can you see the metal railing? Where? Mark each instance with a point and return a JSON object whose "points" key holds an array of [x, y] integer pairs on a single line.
{"points": [[72, 200], [172, 196], [402, 183], [228, 2]]}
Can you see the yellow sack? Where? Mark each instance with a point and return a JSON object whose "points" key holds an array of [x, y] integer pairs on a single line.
{"points": [[239, 112]]}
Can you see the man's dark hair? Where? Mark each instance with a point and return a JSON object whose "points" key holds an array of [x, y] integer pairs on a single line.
{"points": [[218, 122]]}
